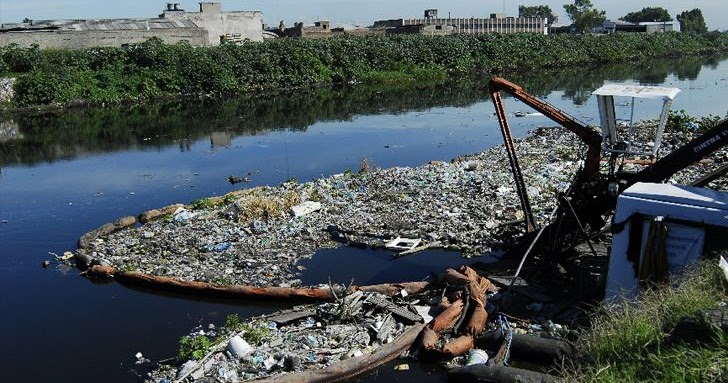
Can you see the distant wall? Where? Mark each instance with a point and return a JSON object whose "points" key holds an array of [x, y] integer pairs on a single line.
{"points": [[471, 25], [199, 28], [89, 39], [249, 24]]}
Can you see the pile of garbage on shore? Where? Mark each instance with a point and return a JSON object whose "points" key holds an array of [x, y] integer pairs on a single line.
{"points": [[360, 330], [305, 338]]}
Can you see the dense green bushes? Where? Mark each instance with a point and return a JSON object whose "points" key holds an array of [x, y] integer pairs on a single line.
{"points": [[154, 69]]}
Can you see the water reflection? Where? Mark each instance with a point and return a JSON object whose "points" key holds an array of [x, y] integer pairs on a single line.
{"points": [[578, 83], [51, 136]]}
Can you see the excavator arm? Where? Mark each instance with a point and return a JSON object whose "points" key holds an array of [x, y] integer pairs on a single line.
{"points": [[587, 134], [590, 136], [592, 196], [681, 158]]}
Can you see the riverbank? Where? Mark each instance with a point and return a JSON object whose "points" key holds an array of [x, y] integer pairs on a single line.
{"points": [[674, 333], [154, 70]]}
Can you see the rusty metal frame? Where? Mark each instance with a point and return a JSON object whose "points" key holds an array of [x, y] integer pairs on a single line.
{"points": [[588, 135]]}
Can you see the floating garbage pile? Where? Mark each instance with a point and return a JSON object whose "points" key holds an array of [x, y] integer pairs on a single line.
{"points": [[256, 236]]}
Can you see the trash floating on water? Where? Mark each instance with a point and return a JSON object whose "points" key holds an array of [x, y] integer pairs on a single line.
{"points": [[402, 244]]}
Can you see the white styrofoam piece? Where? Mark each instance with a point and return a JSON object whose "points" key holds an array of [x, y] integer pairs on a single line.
{"points": [[305, 208], [400, 243], [239, 348]]}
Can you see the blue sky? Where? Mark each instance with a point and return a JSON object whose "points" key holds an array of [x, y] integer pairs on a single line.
{"points": [[341, 12]]}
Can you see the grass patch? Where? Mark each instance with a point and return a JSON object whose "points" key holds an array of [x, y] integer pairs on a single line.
{"points": [[260, 205], [629, 343], [208, 203], [254, 332]]}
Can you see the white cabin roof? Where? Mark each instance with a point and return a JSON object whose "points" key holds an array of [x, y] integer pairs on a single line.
{"points": [[638, 91]]}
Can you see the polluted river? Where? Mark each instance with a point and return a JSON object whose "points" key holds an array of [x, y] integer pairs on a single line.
{"points": [[64, 174]]}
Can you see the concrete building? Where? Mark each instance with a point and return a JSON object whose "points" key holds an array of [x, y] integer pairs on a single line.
{"points": [[245, 24], [431, 30], [209, 26], [496, 23], [610, 26]]}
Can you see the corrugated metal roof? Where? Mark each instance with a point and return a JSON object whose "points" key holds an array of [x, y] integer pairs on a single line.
{"points": [[106, 25]]}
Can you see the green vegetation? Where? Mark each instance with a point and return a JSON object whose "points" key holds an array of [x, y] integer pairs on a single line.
{"points": [[692, 21], [681, 121], [647, 14], [193, 347], [44, 135], [540, 11], [630, 343], [204, 204], [584, 15], [153, 69], [253, 332], [197, 346]]}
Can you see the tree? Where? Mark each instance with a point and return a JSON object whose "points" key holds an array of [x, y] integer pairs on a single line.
{"points": [[540, 11], [648, 14], [692, 21], [584, 16]]}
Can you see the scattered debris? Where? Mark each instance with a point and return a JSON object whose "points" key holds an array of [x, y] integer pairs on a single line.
{"points": [[442, 203], [403, 244], [236, 180], [477, 356], [140, 359], [303, 344]]}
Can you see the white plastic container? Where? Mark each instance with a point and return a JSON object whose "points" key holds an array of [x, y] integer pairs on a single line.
{"points": [[239, 348]]}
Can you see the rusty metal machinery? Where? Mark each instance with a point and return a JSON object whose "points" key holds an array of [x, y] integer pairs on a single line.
{"points": [[593, 193]]}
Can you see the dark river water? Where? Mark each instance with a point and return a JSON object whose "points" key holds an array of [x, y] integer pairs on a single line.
{"points": [[66, 173]]}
